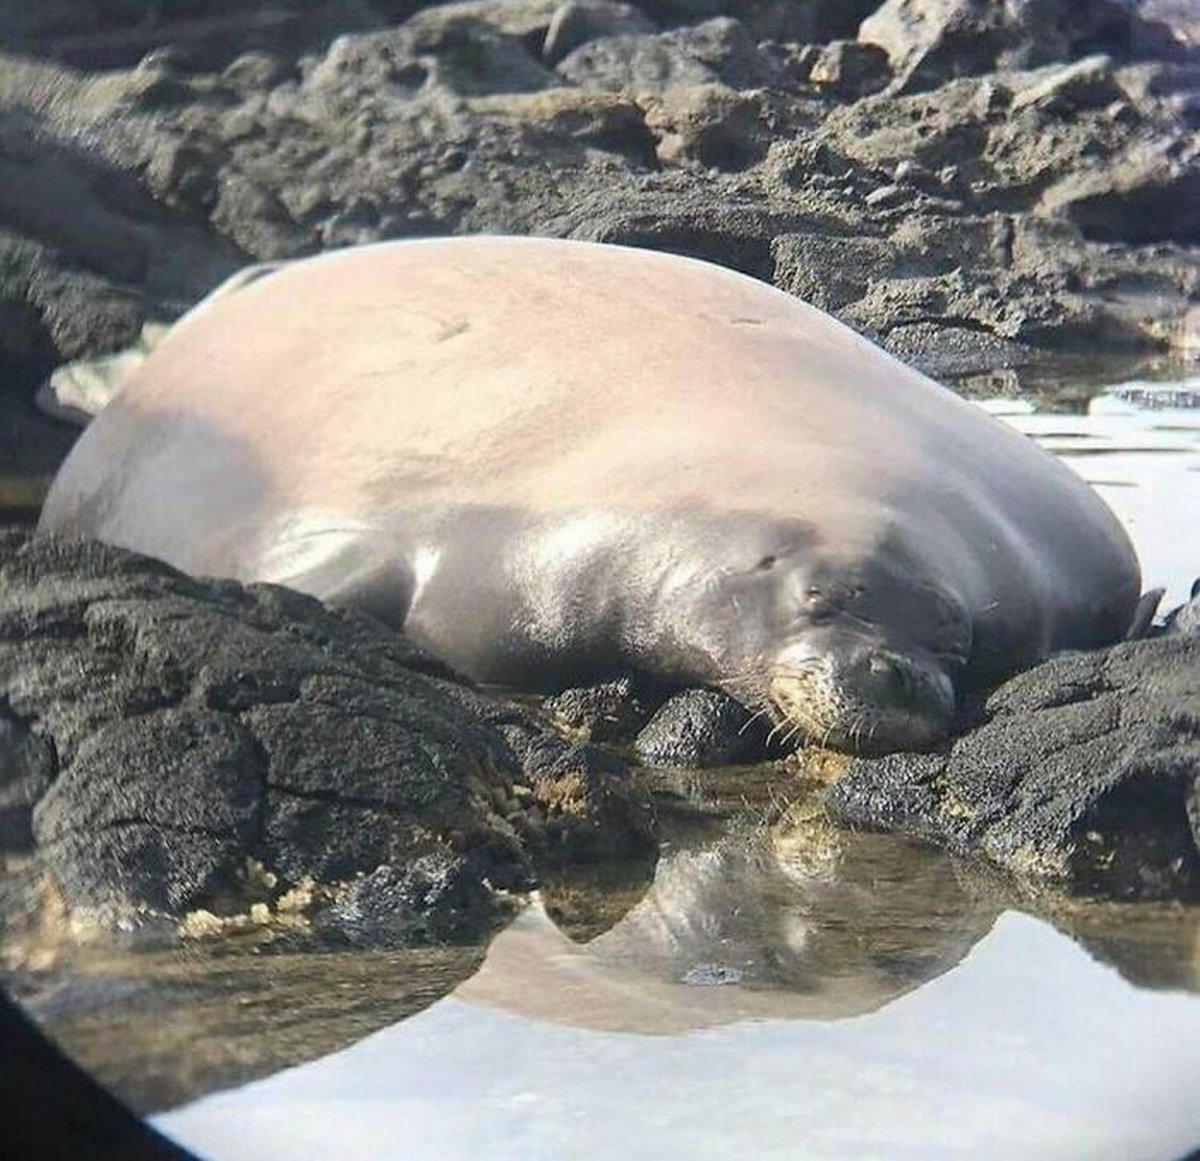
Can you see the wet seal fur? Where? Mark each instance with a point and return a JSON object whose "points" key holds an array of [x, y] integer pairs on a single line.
{"points": [[556, 461]]}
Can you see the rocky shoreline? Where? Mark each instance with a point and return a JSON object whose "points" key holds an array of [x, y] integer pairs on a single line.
{"points": [[974, 187], [173, 747]]}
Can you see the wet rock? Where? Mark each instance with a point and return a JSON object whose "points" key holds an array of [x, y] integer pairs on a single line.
{"points": [[435, 899], [612, 712], [698, 728], [172, 730], [576, 802], [1083, 773]]}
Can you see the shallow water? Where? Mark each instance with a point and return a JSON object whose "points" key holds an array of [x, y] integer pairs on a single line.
{"points": [[1027, 1049], [778, 990], [1138, 445]]}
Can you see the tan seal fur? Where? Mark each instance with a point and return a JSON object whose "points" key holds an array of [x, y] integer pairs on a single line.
{"points": [[552, 461]]}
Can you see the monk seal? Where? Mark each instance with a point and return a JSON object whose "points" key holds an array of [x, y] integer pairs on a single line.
{"points": [[554, 461]]}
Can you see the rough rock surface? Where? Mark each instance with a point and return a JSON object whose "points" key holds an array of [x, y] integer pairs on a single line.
{"points": [[1185, 620], [698, 728], [932, 41], [1025, 183], [1085, 771], [611, 712], [164, 731]]}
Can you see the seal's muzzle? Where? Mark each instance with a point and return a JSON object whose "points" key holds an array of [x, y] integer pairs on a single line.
{"points": [[868, 698]]}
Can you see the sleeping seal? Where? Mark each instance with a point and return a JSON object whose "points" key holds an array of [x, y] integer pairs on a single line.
{"points": [[552, 461]]}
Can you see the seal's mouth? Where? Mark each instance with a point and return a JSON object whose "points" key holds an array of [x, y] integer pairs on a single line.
{"points": [[873, 702]]}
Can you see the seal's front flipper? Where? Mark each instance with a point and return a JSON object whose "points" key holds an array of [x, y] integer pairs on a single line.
{"points": [[1143, 616]]}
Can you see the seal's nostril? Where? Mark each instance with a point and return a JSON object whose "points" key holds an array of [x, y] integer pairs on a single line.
{"points": [[818, 607]]}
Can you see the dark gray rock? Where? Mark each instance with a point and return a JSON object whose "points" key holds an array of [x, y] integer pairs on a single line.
{"points": [[161, 810], [435, 899], [578, 803], [717, 50], [1083, 772], [612, 712], [171, 730], [698, 728]]}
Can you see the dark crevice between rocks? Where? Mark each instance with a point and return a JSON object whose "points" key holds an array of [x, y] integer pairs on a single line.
{"points": [[28, 767], [32, 445], [962, 322], [1133, 844], [340, 799]]}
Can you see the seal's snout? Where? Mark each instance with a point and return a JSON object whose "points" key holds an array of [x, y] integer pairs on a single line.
{"points": [[866, 699]]}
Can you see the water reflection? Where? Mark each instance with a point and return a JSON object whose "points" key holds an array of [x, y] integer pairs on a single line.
{"points": [[1027, 1049], [764, 998], [790, 922]]}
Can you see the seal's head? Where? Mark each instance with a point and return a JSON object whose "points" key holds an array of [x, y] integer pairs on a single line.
{"points": [[857, 654]]}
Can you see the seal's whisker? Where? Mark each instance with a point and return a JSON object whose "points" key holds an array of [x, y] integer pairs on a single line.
{"points": [[746, 674], [798, 728], [775, 730], [758, 714]]}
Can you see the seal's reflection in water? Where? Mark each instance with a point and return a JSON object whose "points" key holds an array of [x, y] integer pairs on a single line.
{"points": [[794, 921]]}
